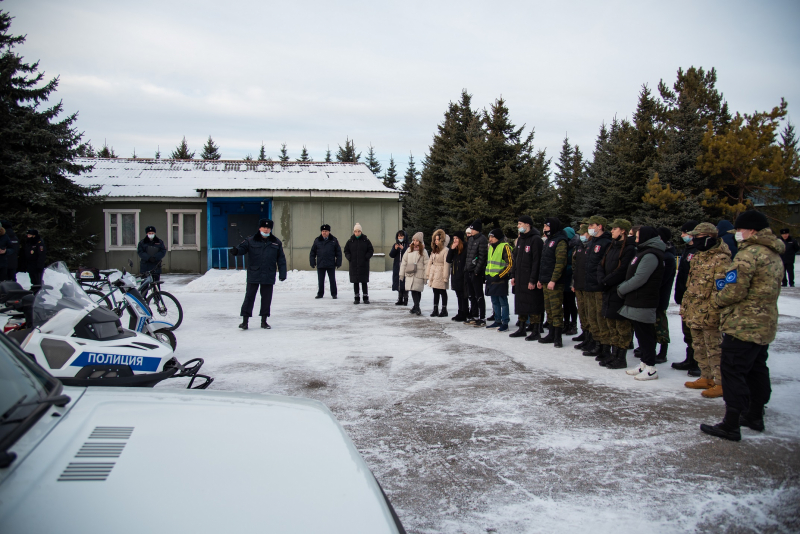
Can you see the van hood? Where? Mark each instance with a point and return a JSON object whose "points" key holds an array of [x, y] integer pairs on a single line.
{"points": [[133, 460]]}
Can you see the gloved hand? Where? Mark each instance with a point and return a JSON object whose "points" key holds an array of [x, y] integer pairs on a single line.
{"points": [[234, 251], [282, 278], [313, 265]]}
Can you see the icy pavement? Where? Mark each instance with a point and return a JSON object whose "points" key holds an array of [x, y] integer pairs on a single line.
{"points": [[471, 431]]}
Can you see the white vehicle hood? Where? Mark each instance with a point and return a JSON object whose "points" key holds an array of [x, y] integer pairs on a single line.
{"points": [[192, 461]]}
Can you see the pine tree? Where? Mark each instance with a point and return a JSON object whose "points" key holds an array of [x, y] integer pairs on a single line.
{"points": [[262, 153], [158, 152], [372, 162], [304, 155], [284, 153], [348, 153], [248, 157], [37, 157], [182, 151], [107, 152], [390, 178], [86, 150], [568, 182], [134, 153], [210, 151], [410, 184], [328, 156]]}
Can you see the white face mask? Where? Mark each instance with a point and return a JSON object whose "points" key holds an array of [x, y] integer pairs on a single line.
{"points": [[739, 236], [400, 239], [151, 236], [592, 232], [264, 234], [584, 239]]}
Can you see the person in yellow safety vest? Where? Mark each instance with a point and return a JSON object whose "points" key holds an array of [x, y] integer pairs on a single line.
{"points": [[498, 273]]}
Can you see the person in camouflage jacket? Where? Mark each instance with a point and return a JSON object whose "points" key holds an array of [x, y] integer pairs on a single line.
{"points": [[710, 263], [748, 302]]}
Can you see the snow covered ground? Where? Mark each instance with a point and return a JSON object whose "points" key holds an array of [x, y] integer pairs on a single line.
{"points": [[471, 431]]}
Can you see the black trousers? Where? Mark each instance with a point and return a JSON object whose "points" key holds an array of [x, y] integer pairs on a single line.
{"points": [[477, 303], [463, 307], [331, 272], [36, 277], [745, 375], [440, 293], [646, 335], [250, 299], [570, 307], [363, 288], [416, 296], [6, 274], [687, 337], [788, 271]]}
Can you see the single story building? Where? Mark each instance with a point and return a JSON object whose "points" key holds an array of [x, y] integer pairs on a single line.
{"points": [[202, 208]]}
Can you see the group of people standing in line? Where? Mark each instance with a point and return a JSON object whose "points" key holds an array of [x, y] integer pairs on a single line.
{"points": [[28, 256]]}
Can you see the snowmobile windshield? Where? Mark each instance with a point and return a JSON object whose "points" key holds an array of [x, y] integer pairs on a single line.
{"points": [[60, 291]]}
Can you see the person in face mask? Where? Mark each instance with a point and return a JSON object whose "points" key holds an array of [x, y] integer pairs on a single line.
{"points": [[326, 257], [709, 264], [579, 283], [398, 249], [552, 270], [689, 364], [528, 298], [601, 335], [266, 258], [151, 251], [358, 250]]}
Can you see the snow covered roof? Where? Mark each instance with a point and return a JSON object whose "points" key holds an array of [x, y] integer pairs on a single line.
{"points": [[122, 177]]}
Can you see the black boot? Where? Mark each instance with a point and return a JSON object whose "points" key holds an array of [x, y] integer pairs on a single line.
{"points": [[459, 317], [581, 337], [570, 329], [688, 363], [443, 313], [595, 350], [620, 360], [728, 428], [637, 353], [753, 417], [417, 311], [264, 322], [550, 337], [399, 300], [661, 357], [606, 351], [357, 300], [534, 334], [490, 319], [587, 339], [557, 342], [366, 298], [435, 312], [405, 299], [243, 326], [521, 331]]}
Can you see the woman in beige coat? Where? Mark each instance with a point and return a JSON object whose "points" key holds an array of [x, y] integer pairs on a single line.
{"points": [[439, 271], [413, 269]]}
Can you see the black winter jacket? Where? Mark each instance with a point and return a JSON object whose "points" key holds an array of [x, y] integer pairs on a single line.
{"points": [[397, 255], [150, 254], [266, 258], [549, 261], [579, 266], [458, 263], [792, 248], [6, 250], [358, 252], [34, 255], [525, 270], [647, 296], [12, 253], [668, 280], [614, 268], [477, 254], [683, 272], [596, 249], [325, 253]]}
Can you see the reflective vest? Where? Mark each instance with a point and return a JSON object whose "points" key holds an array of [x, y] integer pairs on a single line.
{"points": [[495, 264]]}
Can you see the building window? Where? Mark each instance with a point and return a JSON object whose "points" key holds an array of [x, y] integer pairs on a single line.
{"points": [[184, 229], [122, 229]]}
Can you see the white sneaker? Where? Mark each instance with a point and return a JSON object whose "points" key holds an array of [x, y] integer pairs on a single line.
{"points": [[649, 373], [636, 370]]}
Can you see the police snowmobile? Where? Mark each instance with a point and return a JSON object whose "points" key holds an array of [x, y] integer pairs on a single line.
{"points": [[83, 344]]}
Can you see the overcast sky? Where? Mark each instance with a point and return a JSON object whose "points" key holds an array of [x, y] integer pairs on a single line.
{"points": [[143, 74]]}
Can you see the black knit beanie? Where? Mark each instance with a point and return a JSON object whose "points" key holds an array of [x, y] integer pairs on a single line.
{"points": [[665, 234], [646, 233], [554, 224], [688, 226], [525, 219], [751, 220], [477, 226]]}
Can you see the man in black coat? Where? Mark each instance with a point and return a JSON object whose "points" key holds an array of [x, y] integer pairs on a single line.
{"points": [[358, 250], [600, 334], [611, 273], [151, 251], [689, 364], [12, 252], [326, 256], [528, 298], [792, 248], [265, 260], [34, 256], [398, 249], [475, 271]]}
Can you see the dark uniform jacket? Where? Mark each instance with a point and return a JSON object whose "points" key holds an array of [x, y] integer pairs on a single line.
{"points": [[668, 280], [792, 248], [596, 250], [579, 265], [12, 253], [647, 295], [358, 252], [150, 254], [614, 268], [457, 264], [683, 272], [34, 255], [397, 255], [554, 258], [527, 259], [325, 253], [266, 258], [5, 251], [477, 254]]}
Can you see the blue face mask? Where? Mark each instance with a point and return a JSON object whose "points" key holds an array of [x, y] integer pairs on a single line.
{"points": [[584, 239], [686, 238], [263, 234], [522, 230]]}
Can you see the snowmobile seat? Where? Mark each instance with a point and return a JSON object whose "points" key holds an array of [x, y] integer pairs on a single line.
{"points": [[11, 291]]}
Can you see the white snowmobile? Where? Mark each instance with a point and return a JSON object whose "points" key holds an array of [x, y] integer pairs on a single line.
{"points": [[83, 344]]}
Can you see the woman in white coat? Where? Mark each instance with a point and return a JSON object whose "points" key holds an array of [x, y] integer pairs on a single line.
{"points": [[413, 269], [439, 271]]}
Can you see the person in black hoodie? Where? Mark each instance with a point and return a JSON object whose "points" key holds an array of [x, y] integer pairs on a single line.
{"points": [[34, 256], [358, 250], [792, 248], [457, 258], [600, 336], [11, 254], [689, 364], [398, 249], [475, 270], [614, 267], [722, 228], [528, 297], [579, 283], [667, 281], [151, 250], [552, 271], [326, 256]]}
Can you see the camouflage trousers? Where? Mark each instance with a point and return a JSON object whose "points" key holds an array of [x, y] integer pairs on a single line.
{"points": [[662, 327], [580, 297], [594, 312], [554, 305], [707, 352], [620, 332]]}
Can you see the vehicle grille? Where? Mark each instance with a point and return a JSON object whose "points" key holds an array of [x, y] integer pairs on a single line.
{"points": [[111, 432], [86, 471], [97, 471], [100, 450]]}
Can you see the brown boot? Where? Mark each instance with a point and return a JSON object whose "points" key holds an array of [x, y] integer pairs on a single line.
{"points": [[701, 383], [713, 393]]}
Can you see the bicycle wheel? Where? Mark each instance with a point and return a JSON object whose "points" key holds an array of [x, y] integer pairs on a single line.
{"points": [[166, 308], [99, 298]]}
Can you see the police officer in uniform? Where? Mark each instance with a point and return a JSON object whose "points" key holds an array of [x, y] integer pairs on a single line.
{"points": [[34, 256], [265, 260], [151, 251], [748, 302], [551, 273]]}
